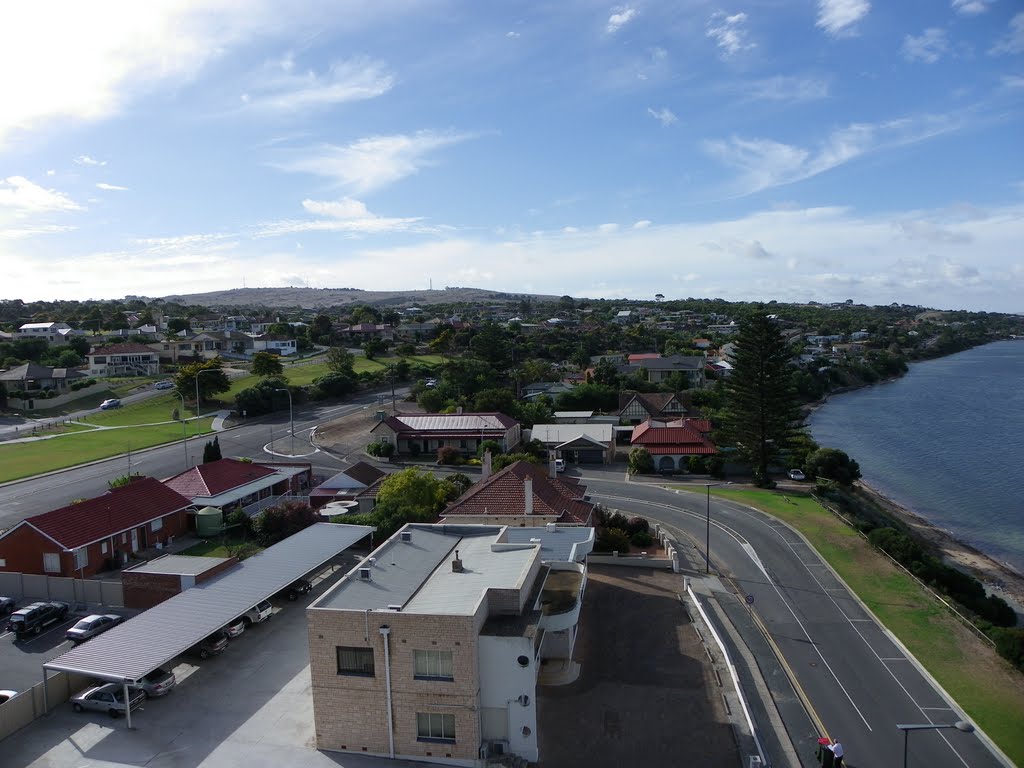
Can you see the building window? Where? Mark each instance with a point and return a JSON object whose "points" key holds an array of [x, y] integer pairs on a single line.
{"points": [[51, 562], [103, 547], [432, 665], [355, 661], [433, 726], [156, 525], [81, 557]]}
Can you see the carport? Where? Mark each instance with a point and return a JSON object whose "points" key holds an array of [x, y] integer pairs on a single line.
{"points": [[128, 652]]}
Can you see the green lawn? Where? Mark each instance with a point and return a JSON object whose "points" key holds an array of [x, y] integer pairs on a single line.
{"points": [[153, 410], [986, 686], [28, 459], [301, 375]]}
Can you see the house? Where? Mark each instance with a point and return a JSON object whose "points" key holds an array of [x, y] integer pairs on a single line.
{"points": [[635, 359], [81, 539], [206, 323], [550, 388], [416, 331], [623, 317], [129, 359], [637, 407], [425, 433], [577, 443], [275, 344], [671, 444], [430, 649], [52, 333], [523, 495], [659, 369], [365, 331], [229, 483], [346, 485], [32, 377]]}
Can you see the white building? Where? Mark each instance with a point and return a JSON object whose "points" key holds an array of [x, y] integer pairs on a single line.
{"points": [[53, 333]]}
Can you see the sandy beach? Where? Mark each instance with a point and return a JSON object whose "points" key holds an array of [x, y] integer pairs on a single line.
{"points": [[998, 578]]}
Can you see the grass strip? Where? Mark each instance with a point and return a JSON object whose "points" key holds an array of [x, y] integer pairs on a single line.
{"points": [[990, 691], [21, 460]]}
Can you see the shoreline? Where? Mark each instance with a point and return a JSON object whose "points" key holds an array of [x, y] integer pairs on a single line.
{"points": [[998, 578]]}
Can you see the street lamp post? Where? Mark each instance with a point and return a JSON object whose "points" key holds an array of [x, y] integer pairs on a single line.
{"points": [[960, 725], [198, 372], [291, 414], [707, 535], [184, 440]]}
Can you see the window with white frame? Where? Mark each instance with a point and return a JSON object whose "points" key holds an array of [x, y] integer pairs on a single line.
{"points": [[432, 665], [434, 726], [157, 524], [81, 557], [103, 547], [51, 562]]}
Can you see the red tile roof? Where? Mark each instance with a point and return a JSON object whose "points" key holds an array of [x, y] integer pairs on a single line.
{"points": [[123, 349], [117, 510], [686, 437], [504, 493], [217, 477]]}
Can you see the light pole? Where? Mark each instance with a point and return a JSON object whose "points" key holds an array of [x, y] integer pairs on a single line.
{"points": [[184, 440], [707, 535], [199, 371], [960, 725], [291, 414]]}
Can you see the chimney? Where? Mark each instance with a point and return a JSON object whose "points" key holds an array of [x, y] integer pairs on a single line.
{"points": [[528, 495], [456, 563], [485, 467], [552, 472]]}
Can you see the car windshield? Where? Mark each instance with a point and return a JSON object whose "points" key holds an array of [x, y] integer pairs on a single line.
{"points": [[83, 624]]}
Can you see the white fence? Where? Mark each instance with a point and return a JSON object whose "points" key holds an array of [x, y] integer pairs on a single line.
{"points": [[30, 586]]}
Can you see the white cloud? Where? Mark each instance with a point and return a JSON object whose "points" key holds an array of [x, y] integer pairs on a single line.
{"points": [[665, 116], [1013, 81], [786, 88], [607, 229], [764, 163], [839, 17], [746, 249], [729, 33], [642, 224], [86, 160], [929, 231], [39, 229], [346, 216], [621, 16], [111, 187], [970, 7], [285, 90], [1013, 40], [512, 35], [928, 47], [375, 161], [24, 197]]}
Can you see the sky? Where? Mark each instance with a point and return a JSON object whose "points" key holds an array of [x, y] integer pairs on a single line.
{"points": [[795, 150]]}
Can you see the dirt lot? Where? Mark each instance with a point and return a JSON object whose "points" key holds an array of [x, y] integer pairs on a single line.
{"points": [[646, 695], [349, 434]]}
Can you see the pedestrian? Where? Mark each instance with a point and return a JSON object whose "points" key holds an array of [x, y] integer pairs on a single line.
{"points": [[837, 752]]}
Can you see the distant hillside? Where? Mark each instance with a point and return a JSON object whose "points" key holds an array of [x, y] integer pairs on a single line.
{"points": [[312, 298]]}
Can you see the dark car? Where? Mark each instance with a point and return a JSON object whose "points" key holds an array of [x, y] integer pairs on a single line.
{"points": [[299, 588], [159, 682], [91, 626], [210, 646], [6, 605], [32, 619]]}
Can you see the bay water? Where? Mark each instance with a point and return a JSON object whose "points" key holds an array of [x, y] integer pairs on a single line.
{"points": [[946, 441]]}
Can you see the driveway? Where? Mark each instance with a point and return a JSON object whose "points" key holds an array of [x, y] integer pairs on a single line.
{"points": [[646, 694]]}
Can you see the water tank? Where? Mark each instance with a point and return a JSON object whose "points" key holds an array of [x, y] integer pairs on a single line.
{"points": [[209, 521]]}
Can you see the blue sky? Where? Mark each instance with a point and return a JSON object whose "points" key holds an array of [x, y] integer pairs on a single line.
{"points": [[814, 150]]}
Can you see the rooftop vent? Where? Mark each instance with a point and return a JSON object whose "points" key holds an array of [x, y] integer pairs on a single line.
{"points": [[535, 541], [550, 527], [457, 563], [372, 561], [364, 574], [406, 536]]}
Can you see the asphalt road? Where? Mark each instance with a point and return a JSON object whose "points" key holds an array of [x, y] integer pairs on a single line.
{"points": [[860, 683], [265, 438]]}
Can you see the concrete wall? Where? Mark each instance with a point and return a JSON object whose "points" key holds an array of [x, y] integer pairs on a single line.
{"points": [[28, 705], [503, 680], [28, 587], [42, 404]]}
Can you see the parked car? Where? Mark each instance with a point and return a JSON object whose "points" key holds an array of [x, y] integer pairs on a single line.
{"points": [[210, 646], [32, 619], [6, 696], [6, 605], [91, 626], [234, 629], [113, 402], [159, 682], [256, 614], [107, 698], [296, 590], [559, 465], [796, 474], [165, 384]]}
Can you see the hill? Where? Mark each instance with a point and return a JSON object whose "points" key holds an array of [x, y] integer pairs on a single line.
{"points": [[313, 298]]}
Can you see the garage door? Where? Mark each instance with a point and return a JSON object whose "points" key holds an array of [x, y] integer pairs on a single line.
{"points": [[589, 456]]}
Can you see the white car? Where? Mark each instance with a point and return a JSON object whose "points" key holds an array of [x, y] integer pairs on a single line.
{"points": [[91, 626], [113, 402], [107, 698], [559, 465], [166, 384], [796, 474]]}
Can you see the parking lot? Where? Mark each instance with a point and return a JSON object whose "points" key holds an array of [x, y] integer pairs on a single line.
{"points": [[251, 705]]}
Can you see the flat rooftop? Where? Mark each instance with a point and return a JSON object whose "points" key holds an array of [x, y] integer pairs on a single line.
{"points": [[178, 565], [417, 574]]}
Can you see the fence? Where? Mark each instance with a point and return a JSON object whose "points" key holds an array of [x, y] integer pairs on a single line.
{"points": [[272, 501], [31, 586], [28, 705]]}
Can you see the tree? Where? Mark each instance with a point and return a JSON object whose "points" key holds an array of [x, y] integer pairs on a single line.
{"points": [[833, 464], [457, 484], [340, 360], [640, 461], [211, 451], [212, 379], [336, 384], [266, 364], [79, 344], [373, 347], [321, 329], [275, 524], [262, 397], [496, 401], [489, 445], [176, 324], [409, 496], [538, 411], [761, 407], [68, 358]]}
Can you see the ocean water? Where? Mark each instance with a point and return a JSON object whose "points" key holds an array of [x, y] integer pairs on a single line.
{"points": [[946, 441]]}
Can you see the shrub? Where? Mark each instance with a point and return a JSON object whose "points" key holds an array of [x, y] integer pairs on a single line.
{"points": [[637, 524], [1010, 644], [615, 520], [697, 464], [446, 454], [641, 539], [640, 462], [381, 448], [612, 540]]}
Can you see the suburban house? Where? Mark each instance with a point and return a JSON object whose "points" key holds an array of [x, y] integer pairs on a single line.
{"points": [[365, 331], [638, 407], [430, 649], [128, 359], [32, 377], [425, 433], [524, 495], [52, 333], [94, 535], [346, 485], [623, 317], [550, 388], [228, 483], [578, 443], [659, 369], [416, 330], [671, 444], [276, 344]]}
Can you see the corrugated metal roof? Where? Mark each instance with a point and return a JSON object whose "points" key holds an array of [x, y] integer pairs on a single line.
{"points": [[456, 421], [564, 433], [181, 565], [141, 644]]}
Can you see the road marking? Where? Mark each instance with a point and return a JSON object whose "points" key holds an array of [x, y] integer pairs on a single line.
{"points": [[904, 658]]}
